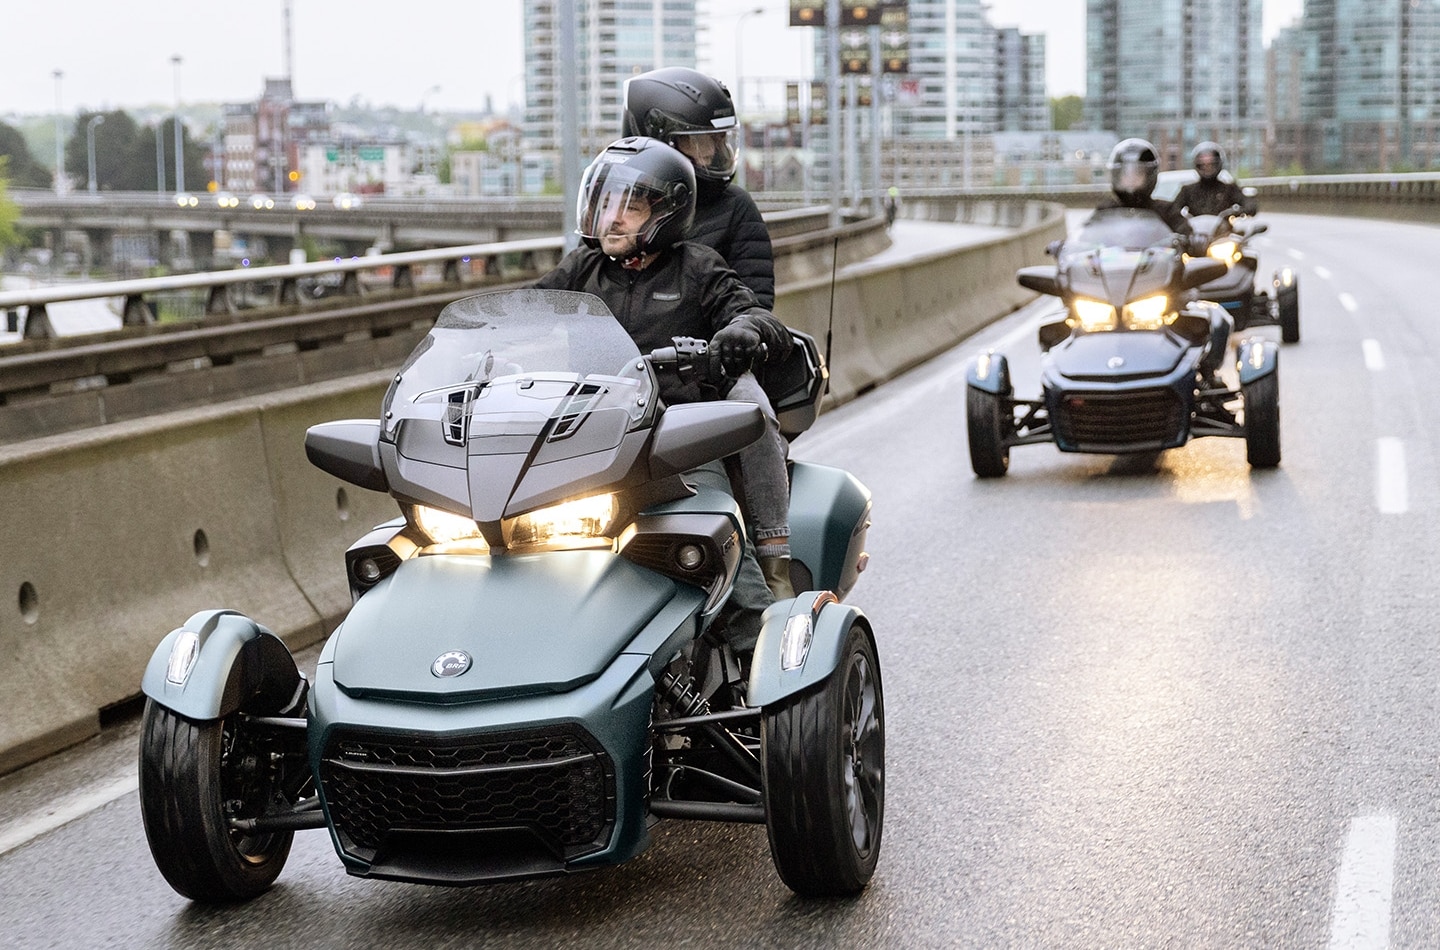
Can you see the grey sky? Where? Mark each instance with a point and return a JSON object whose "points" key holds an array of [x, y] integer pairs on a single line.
{"points": [[118, 55]]}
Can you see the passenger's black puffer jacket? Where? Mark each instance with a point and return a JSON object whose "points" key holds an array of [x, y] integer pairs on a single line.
{"points": [[687, 291], [728, 221]]}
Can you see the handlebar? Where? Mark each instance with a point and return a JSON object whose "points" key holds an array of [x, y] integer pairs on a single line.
{"points": [[692, 355]]}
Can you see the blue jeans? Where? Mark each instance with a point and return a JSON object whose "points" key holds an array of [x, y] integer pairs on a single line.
{"points": [[764, 482]]}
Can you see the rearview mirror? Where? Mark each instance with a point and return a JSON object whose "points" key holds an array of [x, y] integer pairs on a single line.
{"points": [[1041, 278], [349, 450]]}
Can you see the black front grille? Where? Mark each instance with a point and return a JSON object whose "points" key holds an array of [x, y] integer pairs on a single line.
{"points": [[558, 785], [1135, 421]]}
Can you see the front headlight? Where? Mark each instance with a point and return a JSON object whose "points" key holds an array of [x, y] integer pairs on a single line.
{"points": [[1094, 315], [1227, 251], [582, 523], [442, 527], [1147, 313]]}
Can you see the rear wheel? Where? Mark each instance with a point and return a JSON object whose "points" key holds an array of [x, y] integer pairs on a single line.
{"points": [[823, 762], [194, 777], [986, 419], [1262, 421], [1287, 303]]}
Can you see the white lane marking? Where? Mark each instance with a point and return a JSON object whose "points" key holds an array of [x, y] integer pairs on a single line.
{"points": [[1297, 255], [1392, 489], [66, 810], [1364, 886], [1374, 356], [1322, 272], [1348, 302]]}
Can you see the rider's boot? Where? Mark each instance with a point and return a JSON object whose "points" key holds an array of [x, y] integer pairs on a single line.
{"points": [[776, 568]]}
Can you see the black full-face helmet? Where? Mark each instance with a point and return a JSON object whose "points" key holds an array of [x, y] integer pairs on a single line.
{"points": [[637, 187], [690, 111], [1134, 170], [1209, 159]]}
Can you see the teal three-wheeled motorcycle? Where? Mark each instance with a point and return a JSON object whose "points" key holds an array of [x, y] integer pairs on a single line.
{"points": [[533, 671]]}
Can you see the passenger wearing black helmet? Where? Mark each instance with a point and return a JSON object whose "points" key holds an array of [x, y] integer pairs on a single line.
{"points": [[636, 201], [1211, 194], [694, 113], [1134, 171]]}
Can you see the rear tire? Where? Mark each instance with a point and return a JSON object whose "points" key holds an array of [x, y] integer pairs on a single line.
{"points": [[823, 766], [194, 775], [1287, 305], [1262, 421], [986, 420]]}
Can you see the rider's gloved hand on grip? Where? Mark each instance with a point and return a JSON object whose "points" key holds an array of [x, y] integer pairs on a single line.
{"points": [[737, 345]]}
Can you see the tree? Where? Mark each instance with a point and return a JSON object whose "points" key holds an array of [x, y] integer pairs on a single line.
{"points": [[25, 171], [125, 154], [9, 214], [1065, 112]]}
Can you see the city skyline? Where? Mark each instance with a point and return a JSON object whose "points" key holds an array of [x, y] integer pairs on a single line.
{"points": [[117, 56]]}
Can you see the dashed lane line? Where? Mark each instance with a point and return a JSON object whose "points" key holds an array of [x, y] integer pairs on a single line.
{"points": [[1365, 886], [1392, 489], [1374, 356]]}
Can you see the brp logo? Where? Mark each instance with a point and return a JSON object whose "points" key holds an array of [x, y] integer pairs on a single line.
{"points": [[451, 664], [1115, 362]]}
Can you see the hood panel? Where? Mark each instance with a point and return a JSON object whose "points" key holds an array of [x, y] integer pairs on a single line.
{"points": [[530, 624], [1118, 355]]}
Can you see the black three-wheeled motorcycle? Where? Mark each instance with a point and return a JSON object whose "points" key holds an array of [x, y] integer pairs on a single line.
{"points": [[1132, 366]]}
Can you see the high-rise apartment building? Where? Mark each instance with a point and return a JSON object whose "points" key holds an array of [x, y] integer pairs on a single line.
{"points": [[614, 40], [1369, 86], [1021, 103], [1177, 72]]}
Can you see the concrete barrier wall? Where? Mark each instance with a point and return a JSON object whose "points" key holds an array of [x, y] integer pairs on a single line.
{"points": [[118, 534]]}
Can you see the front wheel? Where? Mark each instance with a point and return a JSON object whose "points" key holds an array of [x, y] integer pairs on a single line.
{"points": [[986, 418], [823, 767], [1287, 303], [1262, 421], [194, 777]]}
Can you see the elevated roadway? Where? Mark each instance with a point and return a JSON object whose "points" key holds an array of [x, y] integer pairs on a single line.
{"points": [[1159, 701]]}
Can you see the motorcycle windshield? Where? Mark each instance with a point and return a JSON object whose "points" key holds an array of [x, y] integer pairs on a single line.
{"points": [[500, 366], [1129, 228]]}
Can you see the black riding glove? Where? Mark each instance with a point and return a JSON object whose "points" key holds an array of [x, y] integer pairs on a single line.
{"points": [[737, 344]]}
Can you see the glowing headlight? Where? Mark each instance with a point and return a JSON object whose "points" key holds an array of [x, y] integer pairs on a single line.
{"points": [[442, 526], [1227, 251], [1147, 313], [1094, 315], [585, 522]]}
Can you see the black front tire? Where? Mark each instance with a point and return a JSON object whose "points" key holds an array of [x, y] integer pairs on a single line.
{"points": [[986, 419], [192, 779], [823, 766], [1287, 305], [1262, 421]]}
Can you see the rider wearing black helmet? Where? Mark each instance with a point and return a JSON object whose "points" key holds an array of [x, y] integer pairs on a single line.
{"points": [[694, 113], [636, 201], [1134, 171], [1211, 194]]}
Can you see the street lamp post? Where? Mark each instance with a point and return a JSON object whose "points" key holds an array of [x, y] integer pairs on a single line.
{"points": [[179, 147], [740, 90], [90, 146], [160, 156], [59, 139]]}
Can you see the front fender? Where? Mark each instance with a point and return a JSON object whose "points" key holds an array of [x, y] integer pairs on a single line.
{"points": [[1256, 358], [829, 622], [990, 372], [224, 662]]}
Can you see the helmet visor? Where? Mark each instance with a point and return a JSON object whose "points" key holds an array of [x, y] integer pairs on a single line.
{"points": [[715, 153]]}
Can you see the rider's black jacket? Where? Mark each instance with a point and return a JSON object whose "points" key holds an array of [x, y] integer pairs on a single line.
{"points": [[686, 291], [1168, 211], [728, 220], [1212, 196]]}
